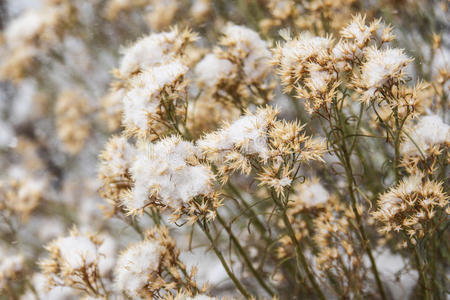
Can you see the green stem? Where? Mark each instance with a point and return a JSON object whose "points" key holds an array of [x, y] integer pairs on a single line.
{"points": [[254, 216], [364, 240], [300, 257], [345, 160], [422, 277], [244, 255], [219, 255]]}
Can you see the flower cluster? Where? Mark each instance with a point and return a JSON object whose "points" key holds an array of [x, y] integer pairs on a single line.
{"points": [[21, 196], [151, 266], [11, 267], [411, 206], [269, 149], [308, 59], [154, 72], [237, 73], [425, 140], [169, 173], [33, 34], [314, 65], [79, 261], [260, 138], [114, 171], [71, 110]]}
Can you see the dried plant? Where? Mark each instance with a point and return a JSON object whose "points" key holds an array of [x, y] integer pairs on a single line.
{"points": [[210, 149]]}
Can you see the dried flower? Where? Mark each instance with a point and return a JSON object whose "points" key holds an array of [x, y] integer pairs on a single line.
{"points": [[22, 196], [114, 171], [153, 50], [71, 110], [306, 64], [11, 266], [411, 206], [168, 173], [150, 266], [77, 261], [382, 67], [151, 95], [429, 132], [245, 45]]}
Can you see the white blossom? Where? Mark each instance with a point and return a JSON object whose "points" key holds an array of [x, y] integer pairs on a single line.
{"points": [[243, 41], [153, 50], [249, 134], [10, 266], [428, 132], [76, 251], [142, 101], [382, 65], [211, 69], [168, 171], [117, 157], [135, 265]]}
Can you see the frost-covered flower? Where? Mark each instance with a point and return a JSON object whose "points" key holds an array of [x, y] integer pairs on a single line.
{"points": [[116, 158], [150, 267], [76, 251], [381, 66], [11, 265], [155, 49], [114, 171], [306, 64], [168, 173], [248, 134], [244, 43], [411, 205], [343, 53], [359, 32], [212, 69], [78, 261], [136, 266], [260, 138], [142, 102], [292, 57], [430, 131]]}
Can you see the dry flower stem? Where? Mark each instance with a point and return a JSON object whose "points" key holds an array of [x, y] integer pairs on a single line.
{"points": [[244, 255], [301, 259], [219, 255]]}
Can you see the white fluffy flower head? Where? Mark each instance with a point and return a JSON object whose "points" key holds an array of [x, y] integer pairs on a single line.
{"points": [[428, 132], [248, 134], [135, 266], [168, 172], [153, 50], [247, 44], [211, 69], [142, 101], [380, 67]]}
